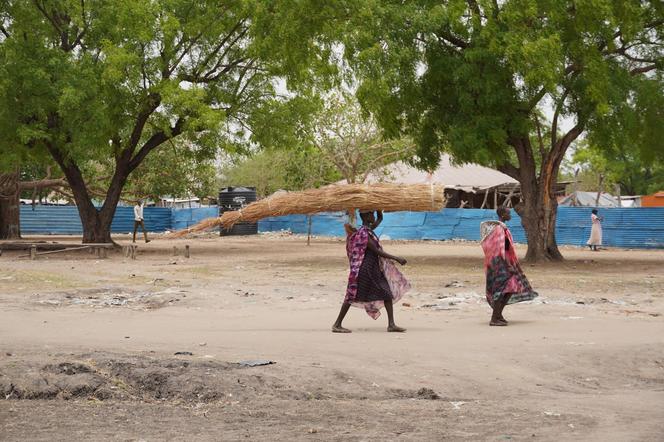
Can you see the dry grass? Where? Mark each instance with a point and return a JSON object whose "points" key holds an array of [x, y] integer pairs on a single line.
{"points": [[334, 198]]}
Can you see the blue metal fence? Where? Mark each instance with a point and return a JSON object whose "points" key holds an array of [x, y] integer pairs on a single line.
{"points": [[64, 220], [183, 218], [632, 228]]}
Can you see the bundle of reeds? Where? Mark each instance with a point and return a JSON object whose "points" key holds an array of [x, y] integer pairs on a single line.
{"points": [[333, 198]]}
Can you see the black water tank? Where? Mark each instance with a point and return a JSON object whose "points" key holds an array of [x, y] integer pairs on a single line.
{"points": [[235, 198]]}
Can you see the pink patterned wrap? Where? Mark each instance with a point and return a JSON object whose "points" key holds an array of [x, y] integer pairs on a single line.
{"points": [[504, 275], [356, 246]]}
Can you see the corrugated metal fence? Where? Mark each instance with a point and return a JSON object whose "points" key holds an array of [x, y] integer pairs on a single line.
{"points": [[632, 228], [183, 218], [49, 220]]}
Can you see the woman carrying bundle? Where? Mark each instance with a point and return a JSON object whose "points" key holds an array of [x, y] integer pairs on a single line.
{"points": [[505, 281], [374, 281]]}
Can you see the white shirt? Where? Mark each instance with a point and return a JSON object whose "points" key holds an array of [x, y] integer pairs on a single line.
{"points": [[138, 212]]}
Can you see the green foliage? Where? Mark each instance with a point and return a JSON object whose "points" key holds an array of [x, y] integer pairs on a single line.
{"points": [[263, 170], [469, 76], [625, 167], [271, 170], [330, 139], [352, 140], [173, 171], [101, 84]]}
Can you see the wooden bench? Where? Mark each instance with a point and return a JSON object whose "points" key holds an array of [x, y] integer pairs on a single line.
{"points": [[100, 249]]}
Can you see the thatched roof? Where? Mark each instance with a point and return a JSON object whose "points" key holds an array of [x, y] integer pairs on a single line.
{"points": [[466, 177]]}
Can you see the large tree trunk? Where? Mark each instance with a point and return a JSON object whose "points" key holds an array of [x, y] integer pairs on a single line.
{"points": [[538, 217], [9, 206], [538, 208], [96, 226], [96, 222]]}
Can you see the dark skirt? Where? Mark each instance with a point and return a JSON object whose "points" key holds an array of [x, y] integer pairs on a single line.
{"points": [[371, 282], [504, 278]]}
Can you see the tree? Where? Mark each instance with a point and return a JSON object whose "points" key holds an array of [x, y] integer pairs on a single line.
{"points": [[176, 170], [622, 167], [9, 205], [171, 171], [352, 140], [330, 139], [263, 170], [475, 77], [270, 170], [21, 175], [90, 81]]}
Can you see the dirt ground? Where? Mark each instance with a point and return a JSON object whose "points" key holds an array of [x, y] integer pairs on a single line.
{"points": [[88, 346]]}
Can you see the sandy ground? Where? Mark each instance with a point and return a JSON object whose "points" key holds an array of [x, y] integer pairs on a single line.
{"points": [[88, 347]]}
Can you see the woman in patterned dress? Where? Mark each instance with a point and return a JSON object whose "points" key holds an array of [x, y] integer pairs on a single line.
{"points": [[374, 281], [505, 281]]}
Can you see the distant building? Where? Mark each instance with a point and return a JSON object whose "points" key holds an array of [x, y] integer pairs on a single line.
{"points": [[45, 202], [589, 199], [630, 201], [180, 203], [466, 185], [654, 200]]}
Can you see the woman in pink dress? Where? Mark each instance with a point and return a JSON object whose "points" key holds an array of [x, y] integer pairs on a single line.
{"points": [[505, 281], [374, 281]]}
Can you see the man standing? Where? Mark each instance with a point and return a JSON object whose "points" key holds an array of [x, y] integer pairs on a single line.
{"points": [[138, 220]]}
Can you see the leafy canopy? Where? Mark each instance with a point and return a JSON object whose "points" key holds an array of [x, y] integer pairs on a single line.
{"points": [[471, 76], [623, 167], [112, 80]]}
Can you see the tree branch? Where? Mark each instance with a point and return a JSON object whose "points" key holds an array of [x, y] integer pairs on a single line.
{"points": [[556, 114], [155, 141], [239, 90], [371, 165], [74, 178], [510, 170], [540, 141], [474, 7], [450, 38], [167, 71], [150, 105], [624, 53], [44, 12], [85, 26], [42, 184], [536, 99], [219, 46], [209, 78], [643, 69], [558, 150]]}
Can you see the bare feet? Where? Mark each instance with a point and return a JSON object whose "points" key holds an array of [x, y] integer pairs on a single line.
{"points": [[395, 329], [498, 323], [340, 329]]}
